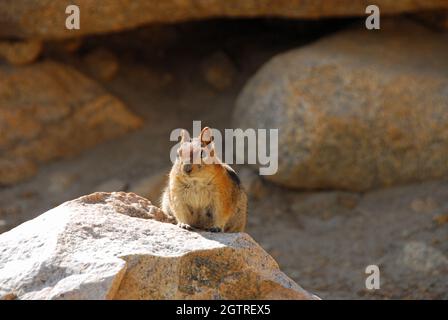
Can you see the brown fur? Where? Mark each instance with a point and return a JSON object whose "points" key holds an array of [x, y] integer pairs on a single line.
{"points": [[207, 197]]}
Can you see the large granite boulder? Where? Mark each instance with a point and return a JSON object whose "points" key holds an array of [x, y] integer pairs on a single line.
{"points": [[119, 246], [357, 110]]}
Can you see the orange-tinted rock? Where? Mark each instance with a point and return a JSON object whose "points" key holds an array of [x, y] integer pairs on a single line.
{"points": [[102, 63], [46, 18], [48, 111], [20, 52]]}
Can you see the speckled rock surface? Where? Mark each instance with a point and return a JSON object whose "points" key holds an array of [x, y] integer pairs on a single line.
{"points": [[46, 18], [49, 110], [111, 246], [357, 110]]}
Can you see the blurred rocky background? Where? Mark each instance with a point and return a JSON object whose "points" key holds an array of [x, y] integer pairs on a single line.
{"points": [[362, 118]]}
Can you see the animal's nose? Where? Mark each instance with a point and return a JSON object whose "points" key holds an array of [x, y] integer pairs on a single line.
{"points": [[187, 168]]}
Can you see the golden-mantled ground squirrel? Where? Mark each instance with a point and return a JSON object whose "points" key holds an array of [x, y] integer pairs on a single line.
{"points": [[203, 192]]}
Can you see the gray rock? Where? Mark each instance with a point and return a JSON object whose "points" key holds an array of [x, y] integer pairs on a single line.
{"points": [[152, 186], [357, 110], [420, 257], [110, 246]]}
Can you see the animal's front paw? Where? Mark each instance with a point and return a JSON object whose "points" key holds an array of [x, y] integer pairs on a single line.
{"points": [[185, 226], [215, 229]]}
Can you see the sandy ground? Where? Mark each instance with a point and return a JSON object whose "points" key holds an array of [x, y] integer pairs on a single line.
{"points": [[323, 240]]}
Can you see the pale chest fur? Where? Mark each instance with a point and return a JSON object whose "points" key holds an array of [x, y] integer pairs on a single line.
{"points": [[196, 194]]}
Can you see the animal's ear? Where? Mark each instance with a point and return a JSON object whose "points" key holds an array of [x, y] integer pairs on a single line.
{"points": [[206, 136], [185, 137]]}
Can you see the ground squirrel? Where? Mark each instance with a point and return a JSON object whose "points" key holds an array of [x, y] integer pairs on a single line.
{"points": [[203, 192]]}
